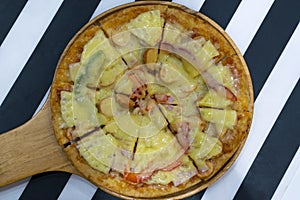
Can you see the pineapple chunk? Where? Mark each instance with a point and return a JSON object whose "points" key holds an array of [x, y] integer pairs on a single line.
{"points": [[93, 162], [226, 117], [223, 76], [140, 127], [92, 46], [103, 93], [172, 33], [140, 120], [124, 141], [99, 43], [210, 49], [204, 147], [167, 74], [172, 69], [99, 148], [157, 89], [67, 108], [206, 54], [102, 119], [178, 175], [217, 149], [193, 45], [111, 73], [147, 26], [201, 89], [73, 69], [213, 99], [124, 86], [85, 112], [156, 152], [190, 69], [132, 51], [170, 112]]}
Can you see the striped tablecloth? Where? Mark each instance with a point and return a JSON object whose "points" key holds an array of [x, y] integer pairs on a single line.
{"points": [[33, 34]]}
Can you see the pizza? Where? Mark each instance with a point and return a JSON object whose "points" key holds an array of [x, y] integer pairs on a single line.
{"points": [[151, 99]]}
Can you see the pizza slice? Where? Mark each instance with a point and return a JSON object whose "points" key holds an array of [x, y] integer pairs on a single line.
{"points": [[135, 30]]}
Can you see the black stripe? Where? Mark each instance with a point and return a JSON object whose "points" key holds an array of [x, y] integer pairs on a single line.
{"points": [[45, 186], [271, 39], [220, 11], [282, 142], [276, 154], [9, 11], [36, 77]]}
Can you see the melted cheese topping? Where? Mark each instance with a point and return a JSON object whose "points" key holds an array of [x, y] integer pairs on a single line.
{"points": [[67, 108], [156, 120], [159, 151], [178, 175], [147, 27]]}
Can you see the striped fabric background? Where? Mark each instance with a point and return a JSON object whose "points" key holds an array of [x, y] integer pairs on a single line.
{"points": [[33, 34]]}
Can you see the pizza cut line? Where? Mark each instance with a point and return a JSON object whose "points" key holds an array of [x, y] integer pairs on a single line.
{"points": [[150, 100]]}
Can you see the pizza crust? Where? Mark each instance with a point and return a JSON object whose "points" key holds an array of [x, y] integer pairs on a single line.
{"points": [[115, 21], [198, 26]]}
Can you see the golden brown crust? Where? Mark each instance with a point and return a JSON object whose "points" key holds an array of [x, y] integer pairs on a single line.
{"points": [[232, 141], [198, 26], [57, 120], [112, 23], [72, 55], [244, 84]]}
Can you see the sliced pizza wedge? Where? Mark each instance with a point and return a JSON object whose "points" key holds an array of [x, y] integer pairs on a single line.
{"points": [[135, 30]]}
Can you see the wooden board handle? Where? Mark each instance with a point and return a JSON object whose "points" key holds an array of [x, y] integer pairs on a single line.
{"points": [[31, 149]]}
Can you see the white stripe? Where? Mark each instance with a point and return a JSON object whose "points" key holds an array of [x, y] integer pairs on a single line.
{"points": [[14, 190], [22, 39], [246, 21], [293, 191], [290, 180], [192, 4], [268, 106], [105, 5], [78, 188]]}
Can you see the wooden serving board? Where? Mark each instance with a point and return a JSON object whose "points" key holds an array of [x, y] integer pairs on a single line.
{"points": [[31, 149]]}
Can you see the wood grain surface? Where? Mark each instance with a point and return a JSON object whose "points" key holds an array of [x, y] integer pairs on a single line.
{"points": [[31, 149]]}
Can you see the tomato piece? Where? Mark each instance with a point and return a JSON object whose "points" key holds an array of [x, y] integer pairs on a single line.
{"points": [[136, 177]]}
